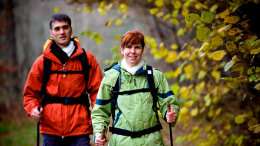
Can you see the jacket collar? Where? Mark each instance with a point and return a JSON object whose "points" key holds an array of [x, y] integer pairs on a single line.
{"points": [[60, 56]]}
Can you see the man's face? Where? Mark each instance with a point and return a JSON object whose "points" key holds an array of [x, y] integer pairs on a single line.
{"points": [[61, 33]]}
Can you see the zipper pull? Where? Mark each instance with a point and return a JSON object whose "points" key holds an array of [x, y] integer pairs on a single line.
{"points": [[64, 70]]}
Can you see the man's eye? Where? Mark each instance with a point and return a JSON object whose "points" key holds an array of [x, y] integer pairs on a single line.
{"points": [[56, 29], [65, 27]]}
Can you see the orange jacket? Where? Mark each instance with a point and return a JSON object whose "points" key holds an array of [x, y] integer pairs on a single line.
{"points": [[59, 119]]}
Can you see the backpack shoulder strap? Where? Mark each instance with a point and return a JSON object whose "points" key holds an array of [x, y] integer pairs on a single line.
{"points": [[46, 74], [85, 67], [154, 91]]}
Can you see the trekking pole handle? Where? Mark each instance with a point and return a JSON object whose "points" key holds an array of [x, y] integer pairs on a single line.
{"points": [[168, 106], [103, 132]]}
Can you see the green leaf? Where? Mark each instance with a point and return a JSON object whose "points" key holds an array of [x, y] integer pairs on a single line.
{"points": [[230, 45], [174, 21], [202, 74], [203, 33], [113, 49], [186, 4], [257, 86], [207, 17], [153, 11], [229, 65], [175, 13], [191, 17], [182, 78], [118, 37], [118, 21], [239, 140], [178, 140], [254, 77]]}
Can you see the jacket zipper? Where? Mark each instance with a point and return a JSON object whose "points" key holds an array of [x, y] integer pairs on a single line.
{"points": [[63, 106], [64, 70]]}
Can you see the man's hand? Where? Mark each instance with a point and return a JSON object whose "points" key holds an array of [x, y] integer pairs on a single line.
{"points": [[171, 116], [99, 141], [37, 115]]}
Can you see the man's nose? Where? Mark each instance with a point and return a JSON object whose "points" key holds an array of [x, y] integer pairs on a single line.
{"points": [[62, 31]]}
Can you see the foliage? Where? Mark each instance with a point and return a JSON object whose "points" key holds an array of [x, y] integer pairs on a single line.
{"points": [[214, 70]]}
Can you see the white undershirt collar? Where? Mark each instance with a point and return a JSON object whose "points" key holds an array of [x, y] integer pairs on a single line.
{"points": [[133, 69], [69, 49]]}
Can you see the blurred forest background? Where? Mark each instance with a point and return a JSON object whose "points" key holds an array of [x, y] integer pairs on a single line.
{"points": [[208, 50]]}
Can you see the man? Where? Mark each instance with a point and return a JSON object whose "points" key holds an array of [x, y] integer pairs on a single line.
{"points": [[62, 75]]}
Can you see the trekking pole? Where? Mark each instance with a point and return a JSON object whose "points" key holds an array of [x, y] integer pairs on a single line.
{"points": [[38, 131], [103, 132], [170, 127]]}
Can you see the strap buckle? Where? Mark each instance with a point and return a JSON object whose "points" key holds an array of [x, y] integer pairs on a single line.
{"points": [[135, 134], [67, 100]]}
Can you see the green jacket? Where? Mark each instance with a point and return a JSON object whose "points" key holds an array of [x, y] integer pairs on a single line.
{"points": [[133, 112]]}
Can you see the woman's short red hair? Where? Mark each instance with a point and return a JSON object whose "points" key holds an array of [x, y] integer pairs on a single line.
{"points": [[132, 37]]}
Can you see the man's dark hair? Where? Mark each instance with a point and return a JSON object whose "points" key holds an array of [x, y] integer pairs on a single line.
{"points": [[59, 17]]}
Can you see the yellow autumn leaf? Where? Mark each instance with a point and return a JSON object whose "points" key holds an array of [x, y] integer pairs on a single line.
{"points": [[158, 15], [56, 9], [125, 16], [204, 47], [174, 21], [252, 122], [154, 51], [183, 110], [176, 4], [177, 72], [174, 46], [183, 54], [194, 112], [227, 127], [216, 75], [109, 6], [208, 128], [240, 119], [197, 6], [184, 92], [171, 57], [188, 103], [159, 3], [184, 12], [86, 9], [230, 45], [218, 55], [238, 66], [215, 42], [201, 74], [217, 111], [242, 49], [233, 31], [223, 14], [253, 128], [255, 51], [101, 11], [231, 19], [257, 86], [166, 17], [118, 21], [153, 11], [122, 8], [163, 52]]}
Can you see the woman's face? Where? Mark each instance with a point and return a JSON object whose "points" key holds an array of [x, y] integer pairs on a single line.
{"points": [[132, 54]]}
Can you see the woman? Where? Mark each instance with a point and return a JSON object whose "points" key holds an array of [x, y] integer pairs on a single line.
{"points": [[134, 112]]}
